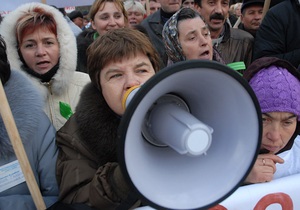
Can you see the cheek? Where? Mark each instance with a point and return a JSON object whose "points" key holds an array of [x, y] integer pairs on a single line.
{"points": [[99, 25], [28, 57], [113, 97], [56, 54], [120, 22]]}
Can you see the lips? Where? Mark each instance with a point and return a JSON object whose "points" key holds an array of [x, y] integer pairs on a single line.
{"points": [[43, 64], [272, 149], [205, 55]]}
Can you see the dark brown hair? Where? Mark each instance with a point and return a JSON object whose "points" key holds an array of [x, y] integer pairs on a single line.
{"points": [[116, 45]]}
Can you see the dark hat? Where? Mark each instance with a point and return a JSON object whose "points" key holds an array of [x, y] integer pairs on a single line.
{"points": [[247, 3], [75, 14]]}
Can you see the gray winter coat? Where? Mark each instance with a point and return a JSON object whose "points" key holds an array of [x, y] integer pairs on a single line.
{"points": [[38, 137]]}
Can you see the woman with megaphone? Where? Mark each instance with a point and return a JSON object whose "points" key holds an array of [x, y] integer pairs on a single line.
{"points": [[276, 84], [87, 169]]}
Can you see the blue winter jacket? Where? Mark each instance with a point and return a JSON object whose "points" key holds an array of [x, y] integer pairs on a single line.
{"points": [[38, 137]]}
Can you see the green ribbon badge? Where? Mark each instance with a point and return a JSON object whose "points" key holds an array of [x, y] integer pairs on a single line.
{"points": [[65, 110], [237, 66]]}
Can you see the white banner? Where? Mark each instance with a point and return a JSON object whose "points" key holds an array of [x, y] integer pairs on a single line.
{"points": [[279, 194], [9, 5]]}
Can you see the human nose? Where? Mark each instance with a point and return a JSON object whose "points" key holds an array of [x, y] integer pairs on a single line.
{"points": [[40, 50], [112, 21], [218, 8], [132, 81], [274, 132], [203, 41]]}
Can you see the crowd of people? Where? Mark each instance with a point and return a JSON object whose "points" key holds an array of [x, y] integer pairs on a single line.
{"points": [[65, 76]]}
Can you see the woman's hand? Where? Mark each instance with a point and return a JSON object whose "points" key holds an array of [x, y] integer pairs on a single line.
{"points": [[264, 168]]}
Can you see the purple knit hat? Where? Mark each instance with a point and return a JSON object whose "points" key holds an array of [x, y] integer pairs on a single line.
{"points": [[277, 90]]}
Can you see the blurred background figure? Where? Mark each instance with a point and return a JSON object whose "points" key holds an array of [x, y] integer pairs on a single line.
{"points": [[252, 12], [154, 6], [86, 19], [77, 18], [188, 3], [237, 9], [135, 11], [105, 15], [76, 30]]}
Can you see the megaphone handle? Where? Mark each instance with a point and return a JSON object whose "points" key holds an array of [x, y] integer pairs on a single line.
{"points": [[18, 147]]}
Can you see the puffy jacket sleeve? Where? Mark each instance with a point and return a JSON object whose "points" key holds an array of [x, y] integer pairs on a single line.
{"points": [[80, 178]]}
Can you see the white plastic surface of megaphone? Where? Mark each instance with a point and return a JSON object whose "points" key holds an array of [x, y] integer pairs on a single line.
{"points": [[169, 112], [215, 96]]}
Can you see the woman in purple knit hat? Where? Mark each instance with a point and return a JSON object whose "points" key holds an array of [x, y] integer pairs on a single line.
{"points": [[276, 84]]}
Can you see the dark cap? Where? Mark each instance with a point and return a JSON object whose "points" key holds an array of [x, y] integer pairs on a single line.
{"points": [[247, 3], [75, 14]]}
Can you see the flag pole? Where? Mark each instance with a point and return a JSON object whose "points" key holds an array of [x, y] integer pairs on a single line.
{"points": [[18, 147], [266, 8]]}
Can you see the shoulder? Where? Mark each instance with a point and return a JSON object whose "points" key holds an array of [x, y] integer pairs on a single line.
{"points": [[153, 18], [20, 90], [80, 79], [240, 34]]}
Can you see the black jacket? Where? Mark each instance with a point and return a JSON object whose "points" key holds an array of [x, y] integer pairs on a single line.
{"points": [[278, 35]]}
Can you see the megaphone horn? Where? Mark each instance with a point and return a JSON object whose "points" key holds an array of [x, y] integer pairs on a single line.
{"points": [[203, 122]]}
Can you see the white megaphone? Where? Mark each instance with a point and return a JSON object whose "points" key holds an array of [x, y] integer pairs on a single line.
{"points": [[170, 113], [189, 136]]}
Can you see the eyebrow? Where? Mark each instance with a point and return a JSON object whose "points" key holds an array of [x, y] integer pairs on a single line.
{"points": [[290, 117], [136, 66]]}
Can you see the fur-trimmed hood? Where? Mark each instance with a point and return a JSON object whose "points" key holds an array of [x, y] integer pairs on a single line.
{"points": [[24, 101], [66, 39]]}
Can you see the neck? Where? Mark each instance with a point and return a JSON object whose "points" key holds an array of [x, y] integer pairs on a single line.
{"points": [[216, 34]]}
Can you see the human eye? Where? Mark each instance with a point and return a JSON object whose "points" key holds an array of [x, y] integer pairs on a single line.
{"points": [[29, 45], [191, 38], [266, 120], [138, 14], [225, 3], [141, 70], [118, 15], [49, 42], [206, 33], [104, 17], [289, 122], [211, 3]]}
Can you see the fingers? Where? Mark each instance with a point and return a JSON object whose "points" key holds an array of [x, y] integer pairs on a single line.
{"points": [[273, 158]]}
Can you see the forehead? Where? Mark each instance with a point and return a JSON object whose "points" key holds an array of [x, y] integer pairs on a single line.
{"points": [[279, 115], [254, 7], [216, 1], [191, 24], [109, 7]]}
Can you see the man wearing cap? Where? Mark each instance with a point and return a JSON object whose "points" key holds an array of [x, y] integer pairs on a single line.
{"points": [[234, 45], [252, 11], [77, 18]]}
